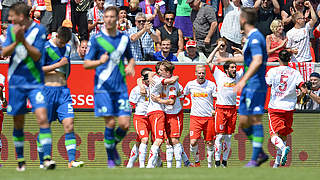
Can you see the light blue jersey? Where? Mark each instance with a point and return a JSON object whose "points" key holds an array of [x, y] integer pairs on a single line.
{"points": [[109, 76], [23, 71]]}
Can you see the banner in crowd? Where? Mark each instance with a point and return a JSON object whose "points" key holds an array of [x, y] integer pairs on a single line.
{"points": [[81, 81]]}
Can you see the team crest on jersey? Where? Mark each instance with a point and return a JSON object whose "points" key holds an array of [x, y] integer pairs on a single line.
{"points": [[103, 109], [142, 132], [191, 133], [160, 132], [221, 127]]}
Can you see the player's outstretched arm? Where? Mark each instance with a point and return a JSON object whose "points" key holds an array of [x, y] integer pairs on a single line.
{"points": [[171, 80], [52, 67], [236, 59], [253, 68], [88, 64]]}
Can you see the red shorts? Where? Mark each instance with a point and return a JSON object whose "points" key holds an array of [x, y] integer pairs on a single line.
{"points": [[174, 125], [198, 124], [225, 120], [157, 119], [280, 122], [142, 126], [1, 120]]}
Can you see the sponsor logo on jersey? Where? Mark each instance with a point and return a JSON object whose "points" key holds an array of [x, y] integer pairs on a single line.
{"points": [[227, 84], [200, 94]]}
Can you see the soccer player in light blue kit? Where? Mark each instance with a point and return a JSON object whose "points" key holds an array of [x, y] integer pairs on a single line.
{"points": [[56, 66], [25, 42], [252, 85], [107, 51]]}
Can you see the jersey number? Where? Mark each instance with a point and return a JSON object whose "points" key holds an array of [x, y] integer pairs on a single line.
{"points": [[124, 105], [283, 83]]}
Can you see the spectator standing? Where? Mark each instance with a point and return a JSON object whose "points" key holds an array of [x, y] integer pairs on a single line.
{"points": [[191, 54], [204, 26], [6, 4], [291, 8], [267, 11], [123, 22], [165, 53], [58, 14], [168, 31], [230, 28], [153, 11], [133, 10], [95, 17], [182, 20], [81, 51], [219, 51], [298, 36], [79, 9], [142, 39], [276, 41]]}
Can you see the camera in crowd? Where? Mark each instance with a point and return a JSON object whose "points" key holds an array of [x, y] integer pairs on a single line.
{"points": [[308, 85]]}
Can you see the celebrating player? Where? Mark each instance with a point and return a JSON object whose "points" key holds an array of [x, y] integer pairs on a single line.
{"points": [[252, 85], [107, 50], [226, 112], [139, 100], [201, 116], [56, 66], [24, 44], [155, 110], [283, 81]]}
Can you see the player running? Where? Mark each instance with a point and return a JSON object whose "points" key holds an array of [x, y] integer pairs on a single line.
{"points": [[226, 112], [252, 85], [24, 43], [202, 92], [56, 66], [139, 101], [107, 51], [283, 81]]}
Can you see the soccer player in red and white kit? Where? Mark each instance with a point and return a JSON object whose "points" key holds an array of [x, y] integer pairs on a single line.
{"points": [[173, 102], [3, 104], [155, 110], [139, 100], [226, 112], [283, 81], [202, 92]]}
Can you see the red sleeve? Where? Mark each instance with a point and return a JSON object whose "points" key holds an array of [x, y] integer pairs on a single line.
{"points": [[162, 82]]}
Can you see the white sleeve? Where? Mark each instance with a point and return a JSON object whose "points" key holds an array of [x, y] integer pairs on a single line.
{"points": [[308, 26], [269, 78], [217, 73], [186, 90], [133, 98], [299, 78], [214, 90]]}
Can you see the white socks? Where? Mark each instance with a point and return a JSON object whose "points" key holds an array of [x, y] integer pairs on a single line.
{"points": [[278, 142], [153, 156], [133, 156], [169, 155], [218, 146], [142, 154], [210, 152], [177, 149], [227, 141], [194, 152]]}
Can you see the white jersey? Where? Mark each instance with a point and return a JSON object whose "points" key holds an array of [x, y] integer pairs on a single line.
{"points": [[284, 81], [2, 81], [140, 101], [201, 97], [172, 91], [155, 89], [225, 84]]}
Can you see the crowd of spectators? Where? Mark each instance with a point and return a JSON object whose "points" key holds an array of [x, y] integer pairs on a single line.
{"points": [[183, 30]]}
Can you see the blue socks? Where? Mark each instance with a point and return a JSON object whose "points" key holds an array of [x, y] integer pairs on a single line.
{"points": [[257, 141], [18, 140], [109, 142], [45, 139], [71, 144]]}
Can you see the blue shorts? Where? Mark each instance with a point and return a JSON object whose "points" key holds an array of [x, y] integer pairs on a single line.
{"points": [[18, 100], [252, 101], [59, 103], [111, 104]]}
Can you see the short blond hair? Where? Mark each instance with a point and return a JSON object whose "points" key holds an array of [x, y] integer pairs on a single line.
{"points": [[200, 66], [275, 24]]}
